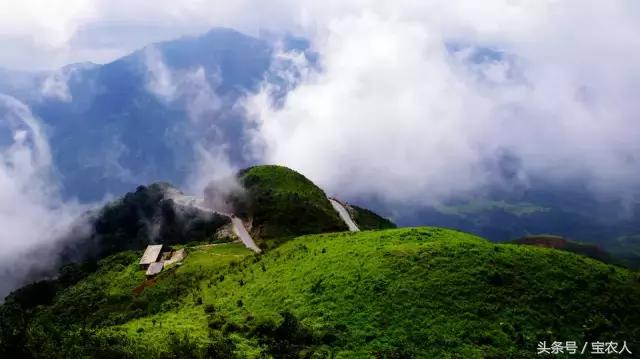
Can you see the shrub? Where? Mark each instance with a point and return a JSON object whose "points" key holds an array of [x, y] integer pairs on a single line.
{"points": [[286, 339], [216, 322], [183, 347], [219, 347]]}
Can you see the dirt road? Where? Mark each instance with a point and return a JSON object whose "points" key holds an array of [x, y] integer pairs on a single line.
{"points": [[198, 203]]}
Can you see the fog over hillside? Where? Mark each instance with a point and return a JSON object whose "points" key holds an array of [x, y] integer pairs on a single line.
{"points": [[404, 104]]}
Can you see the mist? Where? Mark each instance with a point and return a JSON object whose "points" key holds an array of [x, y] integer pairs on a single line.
{"points": [[195, 90], [420, 103], [33, 217]]}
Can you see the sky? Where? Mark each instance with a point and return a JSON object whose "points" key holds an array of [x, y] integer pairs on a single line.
{"points": [[409, 101]]}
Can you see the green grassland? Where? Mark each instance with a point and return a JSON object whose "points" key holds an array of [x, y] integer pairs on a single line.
{"points": [[398, 293]]}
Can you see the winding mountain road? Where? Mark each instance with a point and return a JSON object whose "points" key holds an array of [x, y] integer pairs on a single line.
{"points": [[344, 214], [238, 226]]}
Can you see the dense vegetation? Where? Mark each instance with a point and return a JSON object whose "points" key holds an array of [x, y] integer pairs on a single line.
{"points": [[145, 216], [401, 293], [366, 219], [283, 203]]}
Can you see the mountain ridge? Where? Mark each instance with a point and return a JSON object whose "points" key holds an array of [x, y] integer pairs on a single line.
{"points": [[377, 293]]}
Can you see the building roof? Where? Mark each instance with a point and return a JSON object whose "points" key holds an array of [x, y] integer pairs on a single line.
{"points": [[155, 268], [151, 254]]}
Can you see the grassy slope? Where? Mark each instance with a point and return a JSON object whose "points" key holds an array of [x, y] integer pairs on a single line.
{"points": [[440, 291], [368, 220], [422, 292], [284, 203], [104, 303]]}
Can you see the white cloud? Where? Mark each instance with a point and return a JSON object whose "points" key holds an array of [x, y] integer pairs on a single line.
{"points": [[195, 91], [395, 113], [46, 34], [195, 88], [382, 116], [159, 81], [32, 215], [55, 86]]}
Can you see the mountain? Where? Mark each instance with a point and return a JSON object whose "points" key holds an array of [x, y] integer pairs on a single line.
{"points": [[140, 118], [282, 203], [147, 116], [316, 290], [275, 202]]}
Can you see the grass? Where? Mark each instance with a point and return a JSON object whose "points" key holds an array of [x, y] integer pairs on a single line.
{"points": [[435, 292], [106, 297], [398, 293]]}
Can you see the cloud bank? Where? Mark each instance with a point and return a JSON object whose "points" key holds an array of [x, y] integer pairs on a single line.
{"points": [[411, 99], [194, 90], [32, 215], [418, 102]]}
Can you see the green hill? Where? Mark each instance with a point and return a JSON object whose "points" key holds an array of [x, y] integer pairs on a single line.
{"points": [[400, 293], [366, 219], [283, 203], [278, 202]]}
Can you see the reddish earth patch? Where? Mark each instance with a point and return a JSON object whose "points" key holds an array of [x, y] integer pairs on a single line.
{"points": [[147, 283], [151, 281], [545, 241], [557, 242]]}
